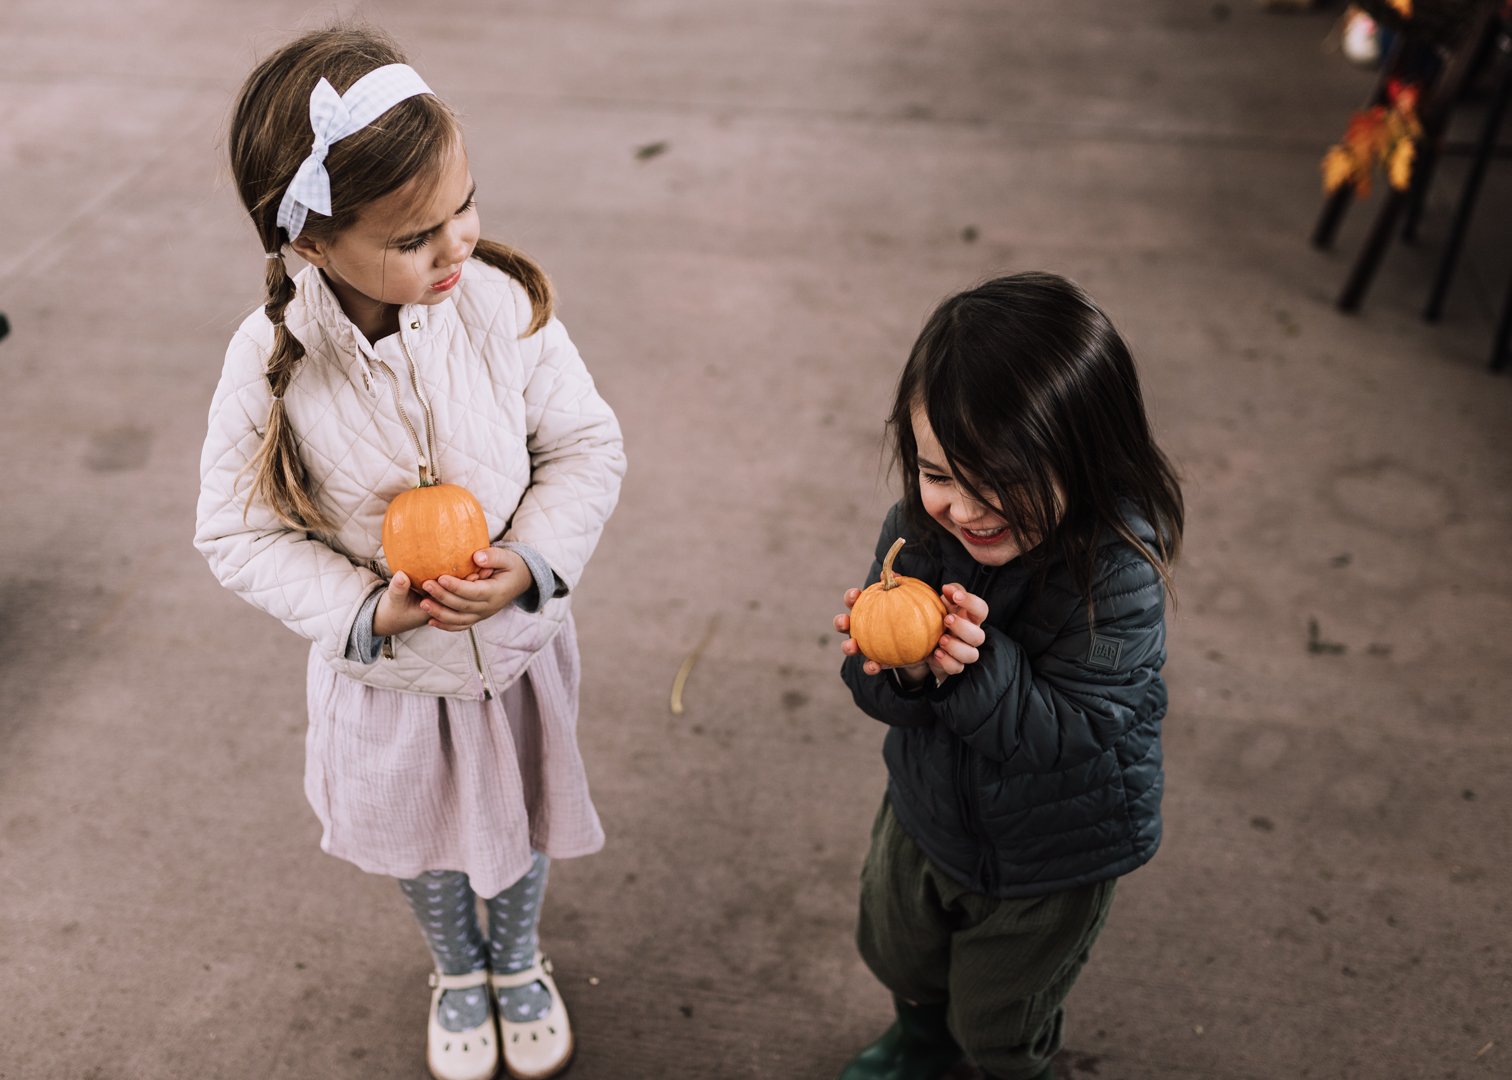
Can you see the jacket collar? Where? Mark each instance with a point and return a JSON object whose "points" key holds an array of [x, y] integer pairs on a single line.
{"points": [[326, 323]]}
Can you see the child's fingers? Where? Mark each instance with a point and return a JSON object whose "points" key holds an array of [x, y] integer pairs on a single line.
{"points": [[451, 601], [462, 595], [450, 598], [960, 602], [452, 628], [950, 658], [956, 650], [965, 630], [471, 591], [851, 596], [850, 648], [842, 623], [433, 607], [493, 558], [444, 618], [943, 666]]}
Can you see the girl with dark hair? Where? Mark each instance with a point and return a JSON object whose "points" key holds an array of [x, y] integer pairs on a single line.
{"points": [[442, 745], [1023, 754]]}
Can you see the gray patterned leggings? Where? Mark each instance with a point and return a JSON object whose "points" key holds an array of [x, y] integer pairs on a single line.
{"points": [[445, 904]]}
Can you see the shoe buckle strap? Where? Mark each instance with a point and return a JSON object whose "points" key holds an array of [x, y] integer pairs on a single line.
{"points": [[458, 982], [534, 973]]}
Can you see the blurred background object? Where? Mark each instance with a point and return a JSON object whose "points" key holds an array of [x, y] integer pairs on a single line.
{"points": [[1363, 40], [1439, 55]]}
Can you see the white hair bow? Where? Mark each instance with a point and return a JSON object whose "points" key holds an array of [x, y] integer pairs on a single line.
{"points": [[333, 117]]}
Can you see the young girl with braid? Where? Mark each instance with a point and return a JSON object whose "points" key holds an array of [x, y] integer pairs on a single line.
{"points": [[442, 740]]}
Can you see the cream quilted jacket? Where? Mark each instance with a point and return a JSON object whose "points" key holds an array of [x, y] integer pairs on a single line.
{"points": [[517, 422]]}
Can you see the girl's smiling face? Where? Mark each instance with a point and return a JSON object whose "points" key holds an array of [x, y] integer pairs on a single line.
{"points": [[981, 529], [407, 247]]}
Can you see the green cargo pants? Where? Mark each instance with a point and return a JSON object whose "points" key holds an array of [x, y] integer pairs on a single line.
{"points": [[1004, 966]]}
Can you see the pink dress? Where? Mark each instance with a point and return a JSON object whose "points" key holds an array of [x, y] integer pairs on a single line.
{"points": [[404, 783]]}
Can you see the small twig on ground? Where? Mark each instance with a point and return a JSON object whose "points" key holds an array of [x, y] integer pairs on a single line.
{"points": [[687, 667], [1482, 1052]]}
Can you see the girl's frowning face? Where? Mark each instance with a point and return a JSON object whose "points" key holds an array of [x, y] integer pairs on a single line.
{"points": [[981, 528], [402, 249]]}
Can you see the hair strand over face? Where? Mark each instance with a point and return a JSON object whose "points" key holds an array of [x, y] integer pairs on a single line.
{"points": [[1036, 404]]}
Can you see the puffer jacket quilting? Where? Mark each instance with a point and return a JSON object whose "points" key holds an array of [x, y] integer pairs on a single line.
{"points": [[1038, 768], [517, 422]]}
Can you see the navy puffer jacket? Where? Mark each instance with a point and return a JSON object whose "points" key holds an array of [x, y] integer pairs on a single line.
{"points": [[1038, 768]]}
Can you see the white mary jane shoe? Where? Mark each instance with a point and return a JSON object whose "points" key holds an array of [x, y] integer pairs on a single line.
{"points": [[539, 1048], [461, 1055]]}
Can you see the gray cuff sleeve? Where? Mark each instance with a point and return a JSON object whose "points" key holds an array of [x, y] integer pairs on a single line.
{"points": [[547, 585], [362, 646]]}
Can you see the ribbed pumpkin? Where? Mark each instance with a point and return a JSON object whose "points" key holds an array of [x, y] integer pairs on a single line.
{"points": [[434, 530], [899, 620]]}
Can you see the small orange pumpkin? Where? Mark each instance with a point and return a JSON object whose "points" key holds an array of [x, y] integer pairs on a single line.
{"points": [[434, 530], [899, 620]]}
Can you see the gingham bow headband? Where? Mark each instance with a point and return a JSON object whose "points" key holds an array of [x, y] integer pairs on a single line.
{"points": [[333, 117]]}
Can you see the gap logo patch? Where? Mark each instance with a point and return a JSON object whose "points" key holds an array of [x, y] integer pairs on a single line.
{"points": [[1104, 652]]}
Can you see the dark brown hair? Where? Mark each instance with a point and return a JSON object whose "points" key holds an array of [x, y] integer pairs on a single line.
{"points": [[1027, 386], [270, 137]]}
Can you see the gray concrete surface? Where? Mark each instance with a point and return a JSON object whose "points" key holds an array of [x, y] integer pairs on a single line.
{"points": [[1331, 900]]}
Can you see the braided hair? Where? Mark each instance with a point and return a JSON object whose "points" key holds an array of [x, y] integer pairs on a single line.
{"points": [[269, 138]]}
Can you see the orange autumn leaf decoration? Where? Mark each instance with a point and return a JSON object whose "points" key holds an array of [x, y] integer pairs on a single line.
{"points": [[1382, 136]]}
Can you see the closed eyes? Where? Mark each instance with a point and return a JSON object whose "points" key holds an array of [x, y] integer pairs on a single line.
{"points": [[414, 244]]}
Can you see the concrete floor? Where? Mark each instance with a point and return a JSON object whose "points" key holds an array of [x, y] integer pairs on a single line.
{"points": [[1332, 896]]}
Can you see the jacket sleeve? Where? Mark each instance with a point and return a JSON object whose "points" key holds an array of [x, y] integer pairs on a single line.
{"points": [[314, 590], [880, 696], [1072, 701], [577, 457]]}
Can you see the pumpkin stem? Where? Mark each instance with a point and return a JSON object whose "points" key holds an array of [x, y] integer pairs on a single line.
{"points": [[888, 581]]}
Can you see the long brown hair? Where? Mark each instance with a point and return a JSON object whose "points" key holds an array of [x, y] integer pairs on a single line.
{"points": [[1027, 386], [269, 138]]}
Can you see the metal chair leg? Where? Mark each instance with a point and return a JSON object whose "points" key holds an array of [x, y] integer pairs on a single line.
{"points": [[1501, 344], [1373, 252], [1495, 111], [1331, 218], [1422, 180]]}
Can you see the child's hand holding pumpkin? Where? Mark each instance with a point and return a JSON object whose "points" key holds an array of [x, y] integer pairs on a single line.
{"points": [[453, 603], [964, 615], [957, 647]]}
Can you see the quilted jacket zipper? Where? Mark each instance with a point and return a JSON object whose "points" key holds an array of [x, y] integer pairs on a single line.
{"points": [[430, 423], [478, 663], [429, 474]]}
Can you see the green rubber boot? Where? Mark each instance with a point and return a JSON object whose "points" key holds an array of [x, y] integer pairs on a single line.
{"points": [[917, 1047]]}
